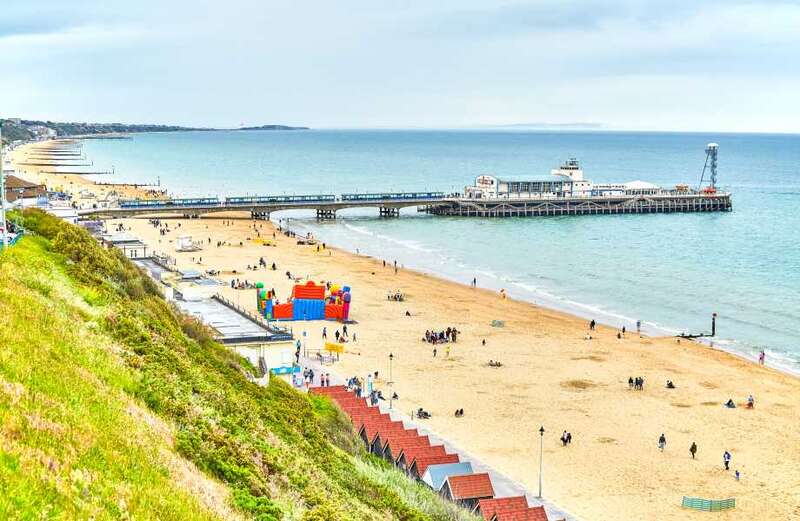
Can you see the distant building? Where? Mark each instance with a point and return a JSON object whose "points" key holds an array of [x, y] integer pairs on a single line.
{"points": [[17, 188]]}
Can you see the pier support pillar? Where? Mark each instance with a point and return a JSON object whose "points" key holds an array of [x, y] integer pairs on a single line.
{"points": [[323, 215], [389, 212]]}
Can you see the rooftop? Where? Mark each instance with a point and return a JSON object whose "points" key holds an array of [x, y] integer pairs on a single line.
{"points": [[489, 507], [471, 486]]}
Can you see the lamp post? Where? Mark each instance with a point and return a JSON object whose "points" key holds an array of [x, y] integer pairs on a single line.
{"points": [[541, 453], [391, 358]]}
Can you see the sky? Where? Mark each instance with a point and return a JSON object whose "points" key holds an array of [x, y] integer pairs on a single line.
{"points": [[683, 65]]}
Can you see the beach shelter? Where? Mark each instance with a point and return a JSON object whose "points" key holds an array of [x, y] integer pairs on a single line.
{"points": [[435, 475], [467, 490], [487, 508]]}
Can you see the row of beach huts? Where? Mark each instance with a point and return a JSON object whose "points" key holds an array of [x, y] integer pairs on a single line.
{"points": [[414, 454]]}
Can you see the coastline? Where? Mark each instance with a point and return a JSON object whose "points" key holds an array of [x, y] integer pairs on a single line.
{"points": [[544, 355]]}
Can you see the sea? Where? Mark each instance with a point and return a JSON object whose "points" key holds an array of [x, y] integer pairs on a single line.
{"points": [[670, 271]]}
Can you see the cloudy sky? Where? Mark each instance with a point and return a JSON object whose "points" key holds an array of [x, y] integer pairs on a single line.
{"points": [[725, 65]]}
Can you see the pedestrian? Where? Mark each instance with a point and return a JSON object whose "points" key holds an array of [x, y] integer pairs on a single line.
{"points": [[726, 459], [761, 357], [564, 439], [434, 352], [592, 325], [639, 327], [662, 442], [336, 335], [737, 474], [630, 382], [623, 330], [324, 333], [693, 449], [395, 267]]}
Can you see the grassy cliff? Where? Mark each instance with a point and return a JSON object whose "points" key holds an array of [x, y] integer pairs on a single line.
{"points": [[113, 405]]}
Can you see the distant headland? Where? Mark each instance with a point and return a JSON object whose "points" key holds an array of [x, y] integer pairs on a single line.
{"points": [[274, 127], [19, 130]]}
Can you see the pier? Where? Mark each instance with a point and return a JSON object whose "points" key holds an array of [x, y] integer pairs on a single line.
{"points": [[435, 203]]}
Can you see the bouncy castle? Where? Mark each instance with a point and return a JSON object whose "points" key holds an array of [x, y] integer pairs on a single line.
{"points": [[308, 301]]}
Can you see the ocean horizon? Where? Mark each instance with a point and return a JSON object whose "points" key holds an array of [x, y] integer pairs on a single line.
{"points": [[671, 271]]}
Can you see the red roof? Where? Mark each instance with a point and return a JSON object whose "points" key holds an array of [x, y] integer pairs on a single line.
{"points": [[373, 426], [411, 453], [470, 486], [489, 507], [424, 461], [398, 443], [395, 441], [328, 390], [526, 514]]}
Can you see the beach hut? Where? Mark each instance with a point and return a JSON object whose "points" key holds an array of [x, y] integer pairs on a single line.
{"points": [[421, 463], [408, 454], [395, 446], [371, 427], [468, 489], [391, 431], [393, 438], [436, 475], [526, 514], [487, 508]]}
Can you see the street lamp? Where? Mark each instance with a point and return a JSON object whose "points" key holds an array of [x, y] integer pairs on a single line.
{"points": [[391, 381], [541, 453]]}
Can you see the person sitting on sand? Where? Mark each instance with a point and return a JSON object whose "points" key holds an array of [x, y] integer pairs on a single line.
{"points": [[729, 404], [670, 385], [751, 402]]}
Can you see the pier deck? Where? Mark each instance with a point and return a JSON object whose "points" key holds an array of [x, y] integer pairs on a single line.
{"points": [[389, 205]]}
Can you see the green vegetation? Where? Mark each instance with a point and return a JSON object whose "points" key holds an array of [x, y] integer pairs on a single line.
{"points": [[105, 391]]}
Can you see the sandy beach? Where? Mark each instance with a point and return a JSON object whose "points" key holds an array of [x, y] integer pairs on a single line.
{"points": [[551, 376]]}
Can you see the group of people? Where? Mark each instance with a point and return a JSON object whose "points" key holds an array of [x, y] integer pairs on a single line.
{"points": [[397, 296], [448, 335], [242, 284], [340, 337], [495, 363], [459, 413], [751, 403], [637, 384], [566, 438]]}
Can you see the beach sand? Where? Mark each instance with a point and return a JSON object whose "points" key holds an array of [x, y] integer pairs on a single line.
{"points": [[85, 191], [551, 377]]}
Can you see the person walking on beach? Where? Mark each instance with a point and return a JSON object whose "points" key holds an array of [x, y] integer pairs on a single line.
{"points": [[638, 327], [395, 267], [761, 357], [592, 325], [474, 282], [434, 352], [324, 333], [662, 442], [693, 449], [726, 459]]}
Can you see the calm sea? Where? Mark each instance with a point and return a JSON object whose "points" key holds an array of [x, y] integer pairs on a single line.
{"points": [[670, 271]]}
